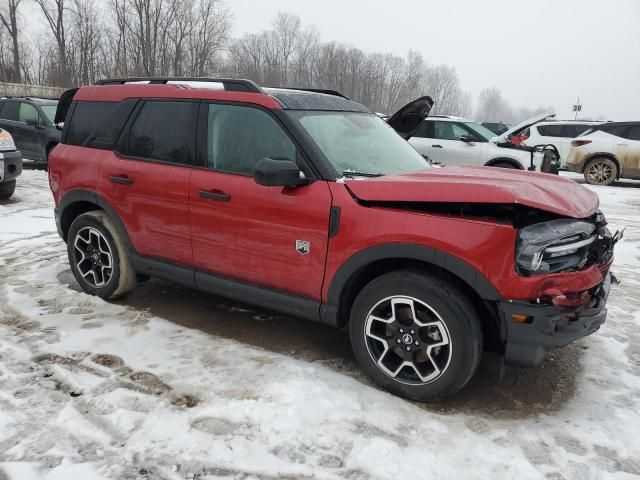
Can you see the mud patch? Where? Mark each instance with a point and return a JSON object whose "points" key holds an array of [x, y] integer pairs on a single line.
{"points": [[106, 360], [184, 400], [216, 426]]}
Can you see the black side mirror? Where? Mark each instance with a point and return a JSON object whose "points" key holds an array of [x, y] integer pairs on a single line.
{"points": [[278, 173], [467, 139]]}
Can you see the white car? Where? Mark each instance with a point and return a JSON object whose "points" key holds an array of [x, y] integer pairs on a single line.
{"points": [[607, 152], [546, 131], [449, 140]]}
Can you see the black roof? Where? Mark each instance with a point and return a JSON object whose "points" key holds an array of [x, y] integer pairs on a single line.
{"points": [[293, 99]]}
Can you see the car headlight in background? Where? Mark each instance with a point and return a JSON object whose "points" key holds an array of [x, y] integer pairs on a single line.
{"points": [[6, 141], [554, 246]]}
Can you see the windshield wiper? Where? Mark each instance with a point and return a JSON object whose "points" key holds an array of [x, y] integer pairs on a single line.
{"points": [[351, 173]]}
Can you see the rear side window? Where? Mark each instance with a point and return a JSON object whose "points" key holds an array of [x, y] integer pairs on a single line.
{"points": [[425, 130], [87, 116], [164, 131], [10, 111], [617, 130], [106, 134], [571, 131], [551, 130], [634, 132]]}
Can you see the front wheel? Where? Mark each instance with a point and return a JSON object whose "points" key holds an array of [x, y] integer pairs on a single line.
{"points": [[600, 171], [7, 189], [416, 334]]}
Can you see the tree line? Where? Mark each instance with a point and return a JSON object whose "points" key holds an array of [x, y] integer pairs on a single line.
{"points": [[86, 40]]}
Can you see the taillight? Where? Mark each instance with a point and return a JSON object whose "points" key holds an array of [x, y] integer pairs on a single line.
{"points": [[579, 143]]}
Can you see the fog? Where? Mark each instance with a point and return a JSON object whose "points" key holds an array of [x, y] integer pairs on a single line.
{"points": [[537, 53]]}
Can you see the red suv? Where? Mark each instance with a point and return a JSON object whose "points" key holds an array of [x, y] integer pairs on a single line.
{"points": [[307, 203]]}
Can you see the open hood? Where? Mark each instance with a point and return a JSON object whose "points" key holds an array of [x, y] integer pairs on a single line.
{"points": [[408, 119], [521, 126], [482, 185]]}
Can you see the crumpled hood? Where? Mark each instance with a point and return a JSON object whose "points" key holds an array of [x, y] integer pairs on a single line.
{"points": [[481, 185]]}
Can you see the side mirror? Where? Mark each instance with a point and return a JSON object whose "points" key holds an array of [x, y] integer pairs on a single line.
{"points": [[467, 139], [278, 173]]}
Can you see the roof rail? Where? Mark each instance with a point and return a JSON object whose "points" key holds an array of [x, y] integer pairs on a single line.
{"points": [[335, 93], [231, 84]]}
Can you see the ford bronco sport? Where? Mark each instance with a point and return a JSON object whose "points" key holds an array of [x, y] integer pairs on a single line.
{"points": [[307, 203]]}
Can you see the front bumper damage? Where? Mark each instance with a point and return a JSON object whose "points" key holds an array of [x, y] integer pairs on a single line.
{"points": [[550, 326]]}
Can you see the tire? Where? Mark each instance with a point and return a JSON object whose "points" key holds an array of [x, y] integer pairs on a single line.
{"points": [[600, 171], [98, 256], [452, 335], [7, 189], [505, 165]]}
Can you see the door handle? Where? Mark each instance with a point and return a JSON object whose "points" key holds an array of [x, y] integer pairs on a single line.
{"points": [[217, 195], [436, 146], [123, 180]]}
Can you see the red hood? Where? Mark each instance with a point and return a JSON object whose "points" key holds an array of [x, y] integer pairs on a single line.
{"points": [[481, 185]]}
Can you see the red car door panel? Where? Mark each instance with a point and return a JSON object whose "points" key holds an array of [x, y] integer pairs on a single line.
{"points": [[249, 232], [152, 202]]}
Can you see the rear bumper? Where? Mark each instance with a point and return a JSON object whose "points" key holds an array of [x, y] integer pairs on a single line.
{"points": [[550, 326], [10, 166]]}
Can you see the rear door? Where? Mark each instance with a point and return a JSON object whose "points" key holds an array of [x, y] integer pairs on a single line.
{"points": [[146, 178], [275, 237]]}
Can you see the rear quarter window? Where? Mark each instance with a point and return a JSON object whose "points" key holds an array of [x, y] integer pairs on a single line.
{"points": [[87, 116]]}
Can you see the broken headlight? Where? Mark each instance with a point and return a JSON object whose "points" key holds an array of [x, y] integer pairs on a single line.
{"points": [[554, 246]]}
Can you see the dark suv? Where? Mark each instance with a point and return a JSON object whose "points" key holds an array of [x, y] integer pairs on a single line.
{"points": [[307, 203], [31, 123]]}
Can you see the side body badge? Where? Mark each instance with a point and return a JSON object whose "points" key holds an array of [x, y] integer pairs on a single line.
{"points": [[303, 247]]}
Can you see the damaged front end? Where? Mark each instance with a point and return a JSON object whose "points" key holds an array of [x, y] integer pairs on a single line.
{"points": [[559, 315]]}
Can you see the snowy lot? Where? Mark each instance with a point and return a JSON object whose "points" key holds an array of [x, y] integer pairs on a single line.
{"points": [[169, 383]]}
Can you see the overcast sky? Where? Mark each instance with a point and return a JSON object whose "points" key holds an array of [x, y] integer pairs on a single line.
{"points": [[537, 52]]}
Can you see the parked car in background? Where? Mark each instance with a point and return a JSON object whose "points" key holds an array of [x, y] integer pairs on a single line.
{"points": [[496, 127], [450, 140], [310, 204], [10, 165], [558, 133], [31, 123], [607, 152]]}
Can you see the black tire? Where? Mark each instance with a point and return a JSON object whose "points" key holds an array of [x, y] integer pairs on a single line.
{"points": [[7, 189], [600, 171], [446, 305], [95, 231], [505, 165]]}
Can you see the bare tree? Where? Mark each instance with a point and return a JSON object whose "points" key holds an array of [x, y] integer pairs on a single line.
{"points": [[54, 13], [9, 19]]}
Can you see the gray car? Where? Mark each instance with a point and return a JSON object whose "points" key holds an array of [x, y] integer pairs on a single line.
{"points": [[30, 123]]}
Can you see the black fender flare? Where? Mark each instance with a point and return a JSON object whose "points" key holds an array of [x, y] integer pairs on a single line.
{"points": [[81, 195], [446, 261]]}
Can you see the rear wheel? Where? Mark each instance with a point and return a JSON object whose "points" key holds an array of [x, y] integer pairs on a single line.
{"points": [[600, 171], [98, 256], [416, 335], [7, 189]]}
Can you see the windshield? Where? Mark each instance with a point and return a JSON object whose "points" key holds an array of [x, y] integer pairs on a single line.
{"points": [[49, 111], [359, 143], [481, 131]]}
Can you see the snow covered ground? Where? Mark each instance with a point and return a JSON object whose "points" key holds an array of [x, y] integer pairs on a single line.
{"points": [[174, 384]]}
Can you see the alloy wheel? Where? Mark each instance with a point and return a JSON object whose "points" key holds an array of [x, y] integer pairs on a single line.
{"points": [[93, 257], [408, 340], [600, 172]]}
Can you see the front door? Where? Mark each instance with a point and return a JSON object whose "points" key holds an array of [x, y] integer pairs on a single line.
{"points": [[270, 236], [146, 180], [448, 149]]}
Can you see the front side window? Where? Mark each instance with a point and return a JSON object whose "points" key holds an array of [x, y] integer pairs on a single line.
{"points": [[239, 137], [449, 131], [28, 114], [481, 133], [50, 111], [356, 142], [164, 131]]}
